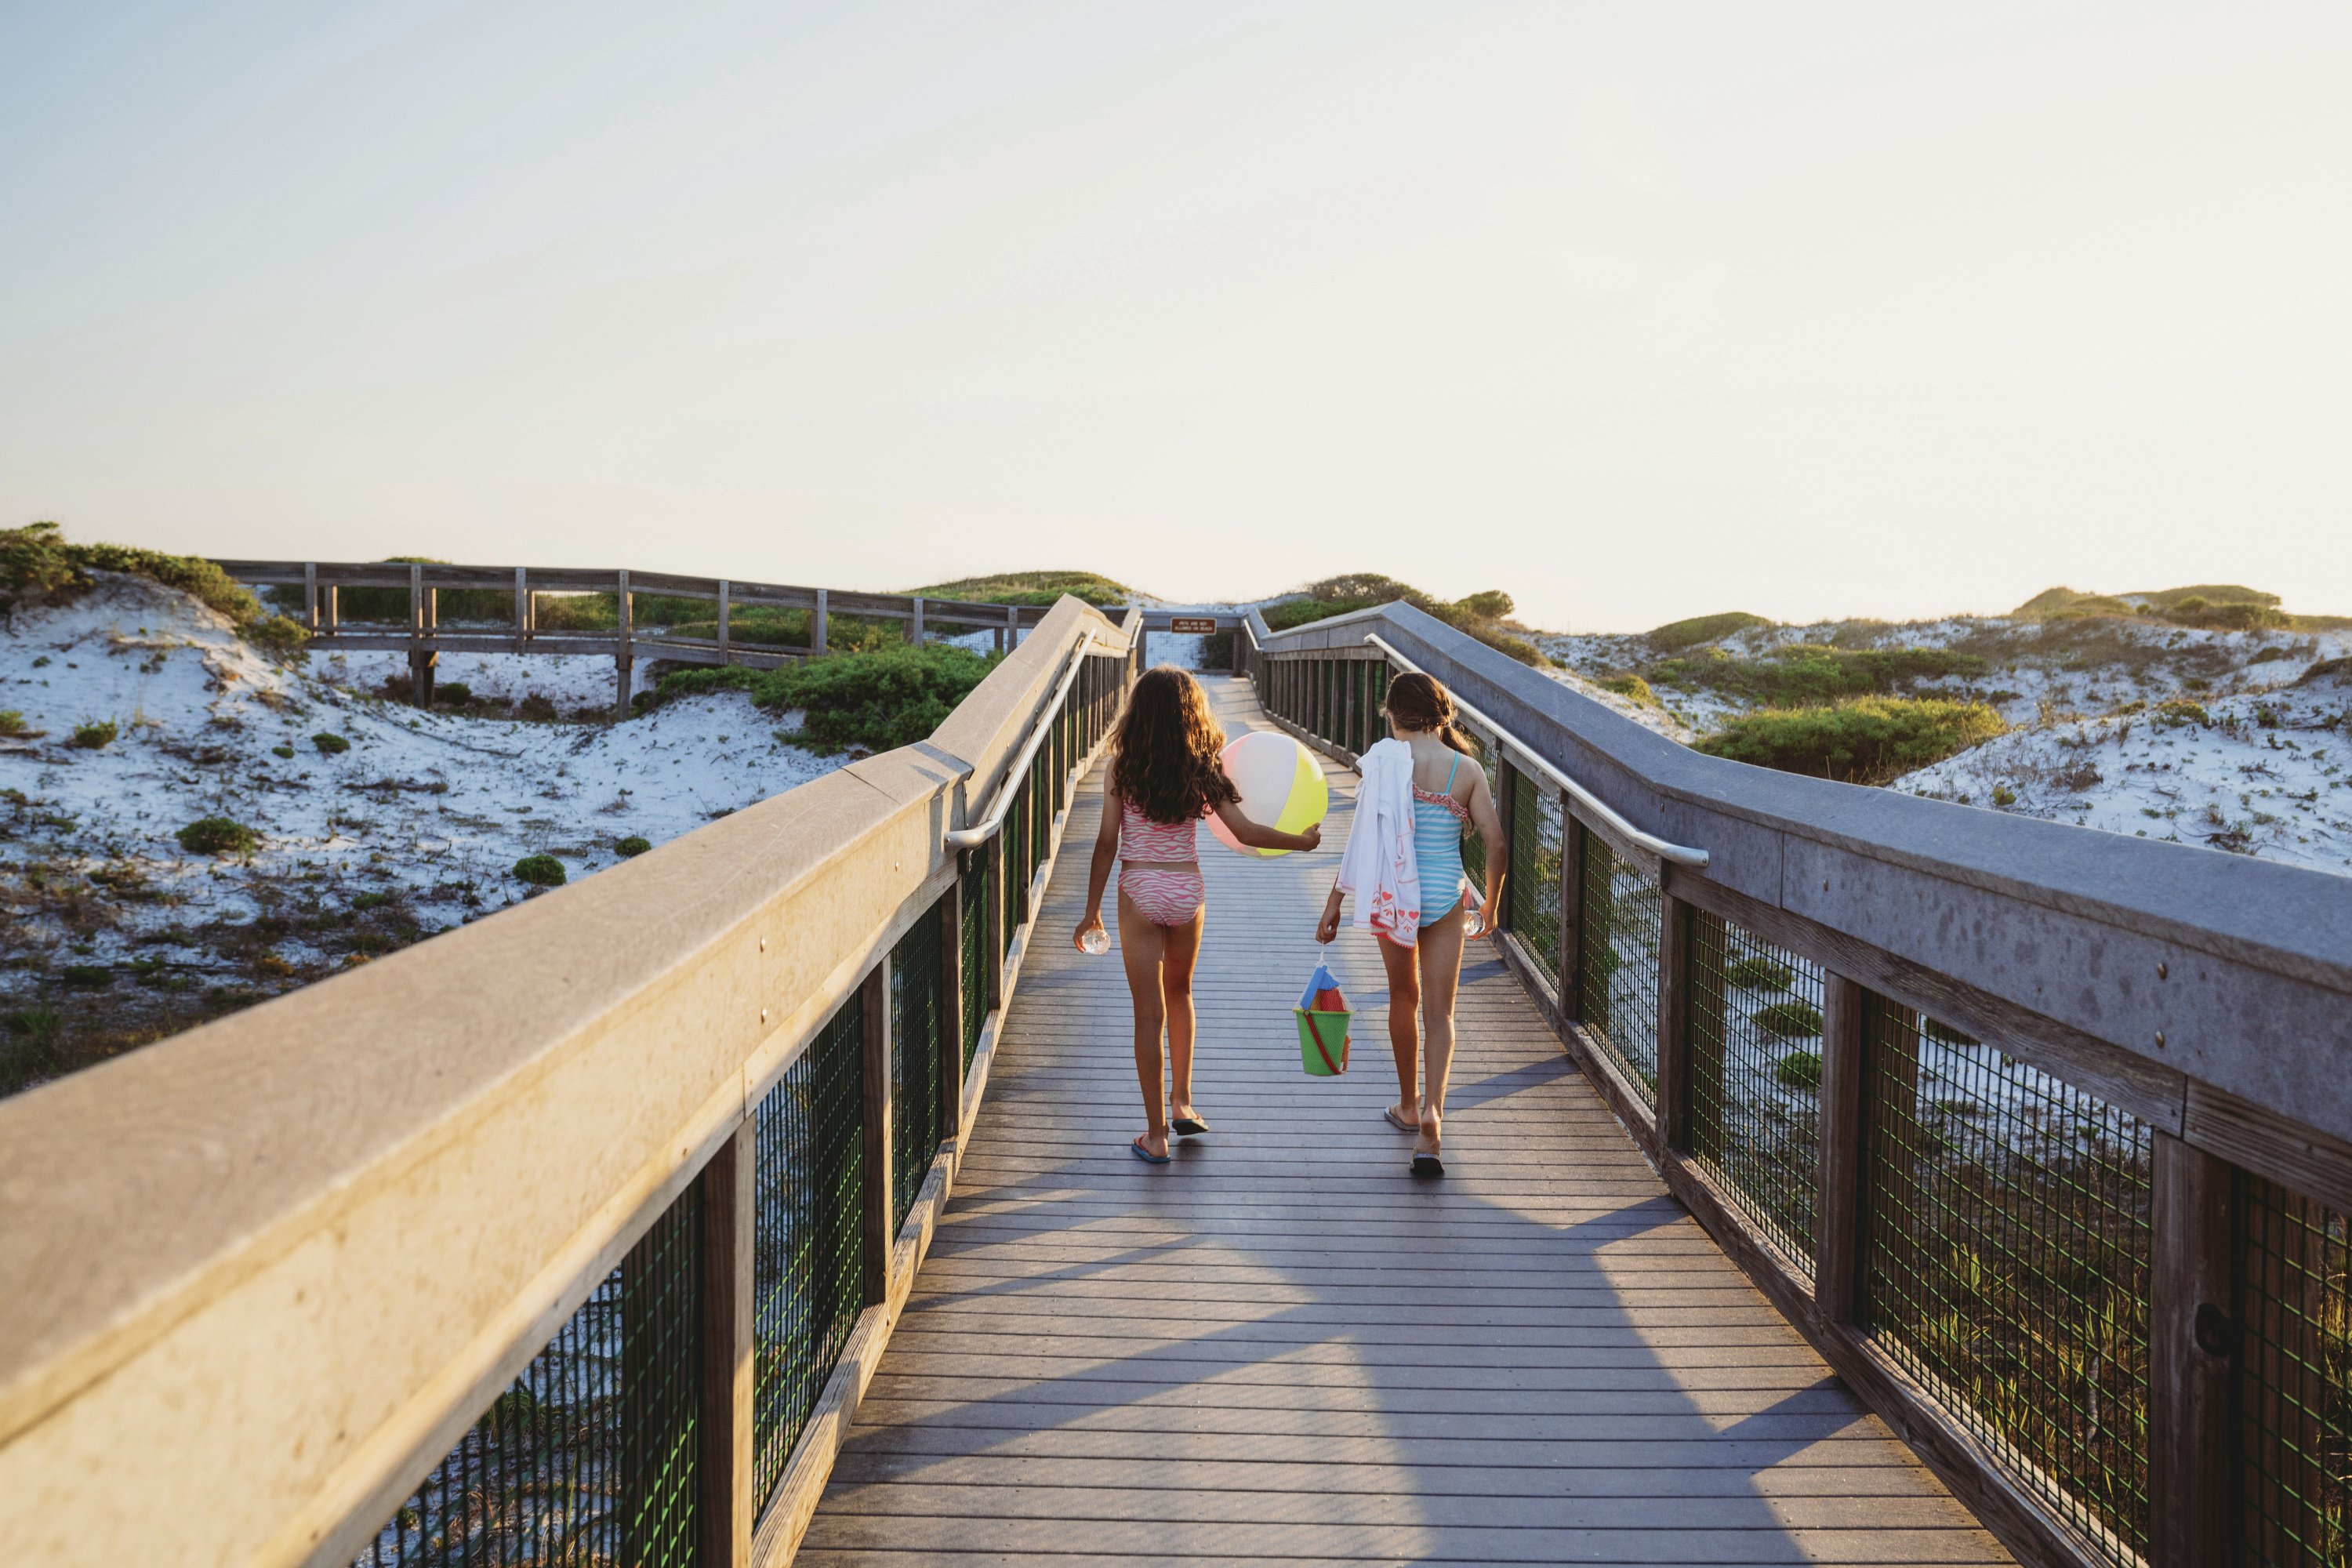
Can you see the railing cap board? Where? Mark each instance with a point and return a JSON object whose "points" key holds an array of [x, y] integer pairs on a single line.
{"points": [[2069, 922], [987, 737], [262, 1246]]}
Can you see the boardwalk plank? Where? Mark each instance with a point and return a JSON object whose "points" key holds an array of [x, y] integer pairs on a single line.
{"points": [[1282, 1348]]}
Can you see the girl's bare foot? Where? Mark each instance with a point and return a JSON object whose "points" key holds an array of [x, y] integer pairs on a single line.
{"points": [[1402, 1120], [1154, 1143]]}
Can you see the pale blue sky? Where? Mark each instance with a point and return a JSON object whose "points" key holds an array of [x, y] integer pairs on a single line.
{"points": [[1636, 309]]}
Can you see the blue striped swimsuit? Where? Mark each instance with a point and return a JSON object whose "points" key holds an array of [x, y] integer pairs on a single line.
{"points": [[1437, 823]]}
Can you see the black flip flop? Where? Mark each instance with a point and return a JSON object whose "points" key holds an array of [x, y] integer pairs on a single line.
{"points": [[1188, 1126], [1428, 1165]]}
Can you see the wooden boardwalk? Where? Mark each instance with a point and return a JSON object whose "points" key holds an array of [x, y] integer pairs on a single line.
{"points": [[1283, 1348]]}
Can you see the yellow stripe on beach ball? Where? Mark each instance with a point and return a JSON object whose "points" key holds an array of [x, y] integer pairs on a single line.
{"points": [[1280, 784]]}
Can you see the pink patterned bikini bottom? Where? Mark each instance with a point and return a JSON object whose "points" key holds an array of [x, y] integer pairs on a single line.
{"points": [[1162, 897]]}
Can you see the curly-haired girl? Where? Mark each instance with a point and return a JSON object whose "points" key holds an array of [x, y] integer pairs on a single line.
{"points": [[1165, 777]]}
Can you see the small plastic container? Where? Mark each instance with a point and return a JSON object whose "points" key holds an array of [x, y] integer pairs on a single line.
{"points": [[1095, 942]]}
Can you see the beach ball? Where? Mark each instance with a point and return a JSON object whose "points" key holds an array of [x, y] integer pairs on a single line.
{"points": [[1280, 783]]}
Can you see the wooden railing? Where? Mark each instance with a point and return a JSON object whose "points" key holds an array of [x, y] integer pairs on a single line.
{"points": [[2043, 1136], [583, 1226], [420, 632]]}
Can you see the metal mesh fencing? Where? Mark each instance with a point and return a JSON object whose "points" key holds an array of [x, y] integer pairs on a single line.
{"points": [[1753, 1060], [1015, 837], [588, 1457], [1618, 930], [2295, 1378], [972, 889], [914, 1061], [2006, 1263], [1537, 829], [808, 1260]]}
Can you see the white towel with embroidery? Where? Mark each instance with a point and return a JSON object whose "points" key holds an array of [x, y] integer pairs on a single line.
{"points": [[1378, 867]]}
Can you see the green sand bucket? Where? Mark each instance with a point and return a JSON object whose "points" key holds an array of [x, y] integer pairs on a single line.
{"points": [[1323, 1018], [1322, 1042]]}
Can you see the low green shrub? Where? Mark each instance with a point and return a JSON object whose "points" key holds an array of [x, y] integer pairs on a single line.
{"points": [[2175, 712], [1811, 674], [88, 975], [329, 744], [2003, 797], [1475, 614], [39, 564], [1791, 1019], [95, 734], [764, 625], [635, 844], [1800, 1070], [875, 701], [540, 870], [1031, 588], [1871, 739], [1631, 686], [287, 752], [12, 722], [1676, 636], [1759, 974], [218, 835], [456, 693]]}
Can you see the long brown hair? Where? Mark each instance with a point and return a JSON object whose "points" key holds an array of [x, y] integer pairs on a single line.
{"points": [[1166, 765], [1418, 701]]}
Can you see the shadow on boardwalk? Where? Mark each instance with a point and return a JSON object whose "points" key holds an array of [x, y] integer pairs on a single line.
{"points": [[1281, 1347]]}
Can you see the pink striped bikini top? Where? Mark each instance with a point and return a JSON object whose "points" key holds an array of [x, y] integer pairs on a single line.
{"points": [[1140, 838]]}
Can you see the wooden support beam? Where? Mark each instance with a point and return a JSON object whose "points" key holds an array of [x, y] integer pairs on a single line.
{"points": [[1838, 1174], [2190, 1357], [951, 1006], [725, 1463], [624, 661], [523, 604], [816, 625], [725, 588], [915, 627], [310, 596], [330, 610], [875, 1091], [1674, 1021]]}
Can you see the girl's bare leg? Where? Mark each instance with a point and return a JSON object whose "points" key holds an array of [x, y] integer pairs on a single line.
{"points": [[1441, 977], [1180, 946], [1404, 1024], [1139, 944]]}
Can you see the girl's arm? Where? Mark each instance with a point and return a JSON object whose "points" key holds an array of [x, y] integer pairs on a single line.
{"points": [[1489, 824], [1099, 870], [1258, 837]]}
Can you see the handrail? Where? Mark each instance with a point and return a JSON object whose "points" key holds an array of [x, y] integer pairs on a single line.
{"points": [[981, 832], [1679, 854]]}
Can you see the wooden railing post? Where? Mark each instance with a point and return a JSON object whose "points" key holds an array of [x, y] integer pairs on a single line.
{"points": [[915, 628], [1837, 1198], [523, 604], [332, 610], [310, 596], [724, 1459], [1571, 912], [1674, 1021], [725, 604], [875, 994], [624, 659], [952, 1003], [421, 658], [2190, 1357], [1508, 783], [816, 625]]}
